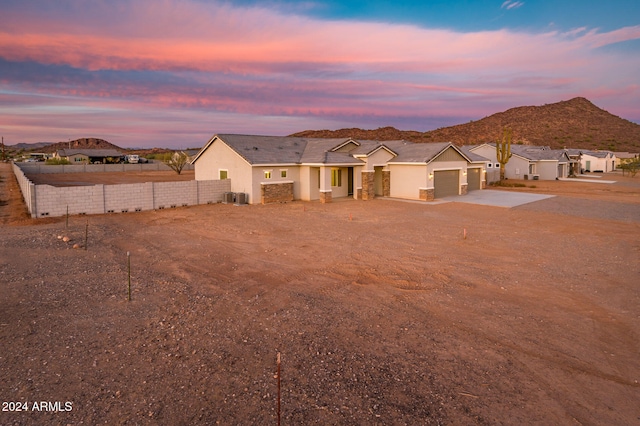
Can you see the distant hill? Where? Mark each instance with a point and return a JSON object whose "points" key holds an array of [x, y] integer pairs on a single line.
{"points": [[82, 143], [29, 146], [576, 123]]}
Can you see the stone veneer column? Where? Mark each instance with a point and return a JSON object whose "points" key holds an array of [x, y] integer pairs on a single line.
{"points": [[325, 197], [427, 194], [464, 188], [386, 183], [368, 185]]}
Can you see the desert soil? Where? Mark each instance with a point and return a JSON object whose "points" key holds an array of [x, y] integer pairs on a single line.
{"points": [[382, 312]]}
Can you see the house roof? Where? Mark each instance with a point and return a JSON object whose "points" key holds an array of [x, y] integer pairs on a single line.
{"points": [[423, 152], [472, 155], [89, 152], [598, 154], [257, 150]]}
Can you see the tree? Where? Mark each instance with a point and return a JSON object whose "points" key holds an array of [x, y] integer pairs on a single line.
{"points": [[503, 150], [631, 167], [176, 161]]}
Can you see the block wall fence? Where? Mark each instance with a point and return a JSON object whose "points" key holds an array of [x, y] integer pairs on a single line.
{"points": [[51, 201]]}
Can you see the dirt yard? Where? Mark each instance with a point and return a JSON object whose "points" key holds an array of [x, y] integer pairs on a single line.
{"points": [[382, 311], [81, 179]]}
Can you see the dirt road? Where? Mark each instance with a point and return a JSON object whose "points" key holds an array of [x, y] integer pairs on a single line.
{"points": [[382, 312]]}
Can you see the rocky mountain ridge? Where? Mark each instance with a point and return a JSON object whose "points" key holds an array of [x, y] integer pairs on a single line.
{"points": [[576, 123]]}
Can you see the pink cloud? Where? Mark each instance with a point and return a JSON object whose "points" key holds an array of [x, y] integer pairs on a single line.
{"points": [[206, 58]]}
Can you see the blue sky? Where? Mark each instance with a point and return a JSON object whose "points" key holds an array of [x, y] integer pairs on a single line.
{"points": [[172, 73]]}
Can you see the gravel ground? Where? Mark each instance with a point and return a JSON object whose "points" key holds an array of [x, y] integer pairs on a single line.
{"points": [[382, 312]]}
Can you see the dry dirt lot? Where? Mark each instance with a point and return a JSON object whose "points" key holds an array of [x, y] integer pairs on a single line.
{"points": [[382, 312]]}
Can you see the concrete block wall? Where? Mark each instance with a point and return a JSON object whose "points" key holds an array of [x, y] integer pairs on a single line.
{"points": [[128, 197], [51, 201], [211, 191], [175, 194], [31, 168], [26, 187]]}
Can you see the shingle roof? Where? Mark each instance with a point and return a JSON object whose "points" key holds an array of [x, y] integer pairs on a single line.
{"points": [[419, 152], [258, 150], [472, 155], [89, 152]]}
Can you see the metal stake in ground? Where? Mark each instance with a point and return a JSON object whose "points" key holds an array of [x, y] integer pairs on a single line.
{"points": [[278, 379], [129, 267], [86, 234]]}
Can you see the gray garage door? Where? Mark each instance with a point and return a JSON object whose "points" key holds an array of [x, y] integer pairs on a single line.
{"points": [[473, 179], [446, 183]]}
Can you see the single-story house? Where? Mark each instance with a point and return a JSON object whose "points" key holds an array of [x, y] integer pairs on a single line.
{"points": [[625, 157], [275, 169], [526, 162], [88, 156], [598, 161]]}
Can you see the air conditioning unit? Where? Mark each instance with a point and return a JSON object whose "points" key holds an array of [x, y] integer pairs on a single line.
{"points": [[241, 198], [228, 197], [536, 177]]}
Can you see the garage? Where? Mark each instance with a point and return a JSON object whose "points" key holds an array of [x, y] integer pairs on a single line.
{"points": [[446, 183], [473, 179]]}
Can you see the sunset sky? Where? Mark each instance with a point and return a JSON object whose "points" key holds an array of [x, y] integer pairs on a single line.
{"points": [[172, 73]]}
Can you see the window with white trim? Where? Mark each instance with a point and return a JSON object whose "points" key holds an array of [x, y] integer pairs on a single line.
{"points": [[224, 174], [267, 174]]}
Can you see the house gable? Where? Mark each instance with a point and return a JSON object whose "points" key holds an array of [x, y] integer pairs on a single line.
{"points": [[449, 154], [346, 146]]}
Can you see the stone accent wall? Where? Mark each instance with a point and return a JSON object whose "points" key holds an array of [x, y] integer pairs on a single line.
{"points": [[386, 183], [276, 192], [325, 197], [427, 194], [368, 185], [464, 189], [483, 184], [358, 193]]}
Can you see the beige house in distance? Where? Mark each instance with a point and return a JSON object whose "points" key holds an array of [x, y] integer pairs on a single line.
{"points": [[276, 169]]}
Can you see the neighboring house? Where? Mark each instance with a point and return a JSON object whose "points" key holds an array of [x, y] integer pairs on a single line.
{"points": [[625, 157], [526, 162], [575, 156], [598, 161], [275, 169], [88, 156]]}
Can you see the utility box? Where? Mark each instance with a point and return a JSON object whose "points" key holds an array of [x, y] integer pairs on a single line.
{"points": [[241, 198], [228, 197]]}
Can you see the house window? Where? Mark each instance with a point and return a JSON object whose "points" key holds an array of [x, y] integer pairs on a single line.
{"points": [[497, 165], [267, 174], [532, 169], [223, 174], [490, 165], [283, 173], [336, 177]]}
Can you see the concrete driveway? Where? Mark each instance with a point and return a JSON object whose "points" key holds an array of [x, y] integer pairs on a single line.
{"points": [[489, 197]]}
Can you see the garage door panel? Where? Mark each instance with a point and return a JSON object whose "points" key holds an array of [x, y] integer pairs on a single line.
{"points": [[446, 183], [473, 179]]}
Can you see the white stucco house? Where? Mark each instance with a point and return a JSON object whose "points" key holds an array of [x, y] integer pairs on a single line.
{"points": [[276, 169], [526, 162], [598, 161]]}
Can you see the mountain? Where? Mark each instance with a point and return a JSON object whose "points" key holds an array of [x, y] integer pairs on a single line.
{"points": [[576, 123], [82, 143], [29, 146]]}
